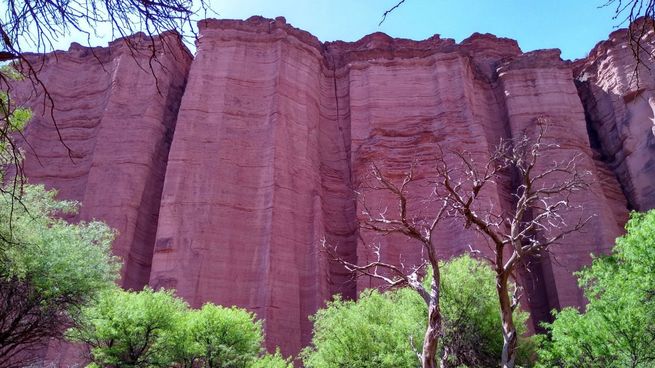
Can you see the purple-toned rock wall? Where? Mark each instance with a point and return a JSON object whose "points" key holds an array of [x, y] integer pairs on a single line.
{"points": [[224, 177], [116, 117], [619, 99]]}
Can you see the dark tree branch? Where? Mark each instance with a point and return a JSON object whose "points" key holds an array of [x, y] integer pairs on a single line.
{"points": [[400, 221], [388, 11], [29, 29], [534, 223]]}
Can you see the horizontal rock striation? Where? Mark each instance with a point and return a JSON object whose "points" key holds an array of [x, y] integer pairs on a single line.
{"points": [[227, 193], [102, 127], [255, 157], [617, 86]]}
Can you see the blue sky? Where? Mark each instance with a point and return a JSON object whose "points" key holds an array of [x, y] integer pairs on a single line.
{"points": [[574, 26]]}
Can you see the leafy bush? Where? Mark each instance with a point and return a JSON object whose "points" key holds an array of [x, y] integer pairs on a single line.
{"points": [[49, 268], [215, 336], [272, 361], [125, 328], [617, 328], [156, 329], [374, 331], [379, 329]]}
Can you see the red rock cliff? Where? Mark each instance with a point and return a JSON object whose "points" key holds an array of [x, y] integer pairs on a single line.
{"points": [[276, 132], [619, 98], [116, 122]]}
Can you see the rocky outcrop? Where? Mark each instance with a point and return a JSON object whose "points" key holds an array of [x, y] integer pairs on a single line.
{"points": [[539, 85], [273, 143], [102, 126], [255, 151], [618, 92]]}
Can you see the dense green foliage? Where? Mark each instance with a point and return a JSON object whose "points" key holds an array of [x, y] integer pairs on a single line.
{"points": [[375, 331], [472, 324], [57, 258], [272, 361], [126, 328], [618, 327], [156, 329], [49, 268], [215, 336], [379, 329]]}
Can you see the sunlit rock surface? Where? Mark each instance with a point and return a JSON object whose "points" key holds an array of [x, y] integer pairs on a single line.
{"points": [[101, 131], [225, 176], [618, 93]]}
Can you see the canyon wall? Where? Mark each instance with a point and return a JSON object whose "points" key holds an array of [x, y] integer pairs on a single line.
{"points": [[619, 98], [226, 173], [100, 135], [102, 125]]}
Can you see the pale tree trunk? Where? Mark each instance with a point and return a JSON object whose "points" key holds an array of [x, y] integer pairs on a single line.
{"points": [[444, 358], [433, 331], [510, 339]]}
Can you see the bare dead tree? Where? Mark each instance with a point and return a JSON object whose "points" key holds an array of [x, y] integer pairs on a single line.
{"points": [[421, 232], [537, 219]]}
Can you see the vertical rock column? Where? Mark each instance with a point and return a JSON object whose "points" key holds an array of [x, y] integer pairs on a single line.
{"points": [[116, 120], [126, 176], [539, 85], [241, 214], [406, 111]]}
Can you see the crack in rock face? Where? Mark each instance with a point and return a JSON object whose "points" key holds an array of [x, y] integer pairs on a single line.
{"points": [[651, 102]]}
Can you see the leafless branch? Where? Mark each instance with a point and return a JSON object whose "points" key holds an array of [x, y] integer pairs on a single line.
{"points": [[542, 202], [401, 221], [639, 17], [388, 11], [399, 276]]}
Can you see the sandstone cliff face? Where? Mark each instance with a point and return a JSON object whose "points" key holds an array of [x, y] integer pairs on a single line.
{"points": [[116, 122], [273, 143], [242, 212], [619, 98], [539, 84]]}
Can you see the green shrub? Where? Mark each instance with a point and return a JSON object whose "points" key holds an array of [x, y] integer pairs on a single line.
{"points": [[215, 336], [379, 329], [126, 328], [49, 268], [617, 329]]}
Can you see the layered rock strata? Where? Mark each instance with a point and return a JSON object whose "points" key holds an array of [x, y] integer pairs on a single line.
{"points": [[253, 180], [274, 139], [103, 120], [102, 126], [617, 86]]}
